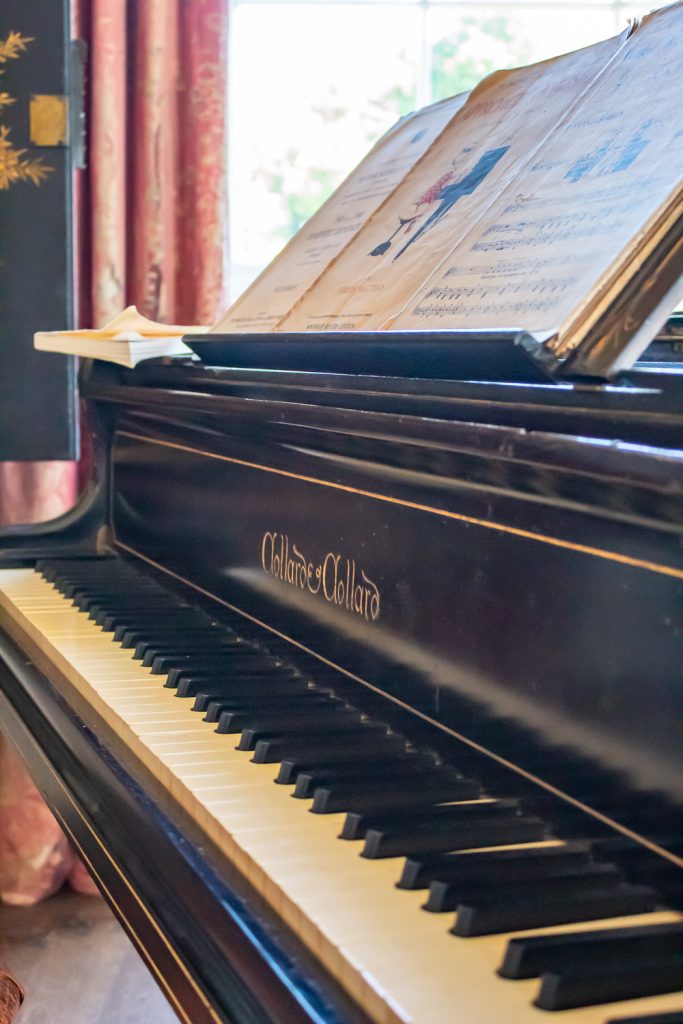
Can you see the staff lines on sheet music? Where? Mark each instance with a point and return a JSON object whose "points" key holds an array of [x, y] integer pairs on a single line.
{"points": [[642, 840], [585, 549]]}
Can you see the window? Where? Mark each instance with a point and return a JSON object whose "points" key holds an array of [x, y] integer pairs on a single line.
{"points": [[313, 84]]}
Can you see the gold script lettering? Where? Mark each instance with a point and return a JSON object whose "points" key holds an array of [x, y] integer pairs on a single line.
{"points": [[335, 577]]}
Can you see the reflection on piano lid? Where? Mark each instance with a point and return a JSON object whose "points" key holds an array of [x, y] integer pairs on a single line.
{"points": [[360, 694]]}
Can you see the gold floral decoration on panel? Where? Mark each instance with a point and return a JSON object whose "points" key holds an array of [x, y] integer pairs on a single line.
{"points": [[15, 166]]}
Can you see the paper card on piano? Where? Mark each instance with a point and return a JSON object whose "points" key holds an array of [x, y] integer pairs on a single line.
{"points": [[127, 339]]}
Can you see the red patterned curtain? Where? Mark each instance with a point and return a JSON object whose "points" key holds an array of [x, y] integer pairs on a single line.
{"points": [[151, 212], [156, 212], [152, 209]]}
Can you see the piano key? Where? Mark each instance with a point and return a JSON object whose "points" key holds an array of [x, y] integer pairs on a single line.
{"points": [[376, 770], [255, 724], [51, 567], [276, 683], [539, 954], [581, 879], [357, 823], [216, 672], [377, 797], [218, 661], [469, 837], [500, 914], [99, 608], [270, 700], [503, 865], [353, 759], [184, 650], [87, 599], [589, 985], [347, 911], [121, 623], [367, 737], [132, 639]]}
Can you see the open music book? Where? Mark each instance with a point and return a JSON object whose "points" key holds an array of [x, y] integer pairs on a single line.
{"points": [[548, 200]]}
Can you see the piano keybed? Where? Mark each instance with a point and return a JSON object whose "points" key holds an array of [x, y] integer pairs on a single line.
{"points": [[427, 894]]}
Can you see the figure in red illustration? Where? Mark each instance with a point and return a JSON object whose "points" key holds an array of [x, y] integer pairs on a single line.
{"points": [[448, 192]]}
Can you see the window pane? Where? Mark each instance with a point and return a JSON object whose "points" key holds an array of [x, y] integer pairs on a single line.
{"points": [[467, 43], [312, 87]]}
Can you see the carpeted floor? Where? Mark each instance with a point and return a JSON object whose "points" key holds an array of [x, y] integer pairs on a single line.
{"points": [[77, 965]]}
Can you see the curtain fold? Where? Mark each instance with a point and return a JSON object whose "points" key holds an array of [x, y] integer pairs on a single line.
{"points": [[151, 231], [158, 203]]}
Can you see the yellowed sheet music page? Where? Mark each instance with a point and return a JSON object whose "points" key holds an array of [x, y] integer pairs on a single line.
{"points": [[276, 290], [504, 120], [583, 205]]}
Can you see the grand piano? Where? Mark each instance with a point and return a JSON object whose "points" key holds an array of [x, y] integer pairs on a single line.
{"points": [[355, 680]]}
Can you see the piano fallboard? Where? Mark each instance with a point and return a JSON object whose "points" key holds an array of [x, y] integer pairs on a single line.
{"points": [[540, 573]]}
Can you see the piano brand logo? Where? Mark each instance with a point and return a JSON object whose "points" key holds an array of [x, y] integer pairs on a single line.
{"points": [[337, 579]]}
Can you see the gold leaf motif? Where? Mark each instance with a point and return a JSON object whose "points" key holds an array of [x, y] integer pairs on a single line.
{"points": [[13, 46], [14, 165]]}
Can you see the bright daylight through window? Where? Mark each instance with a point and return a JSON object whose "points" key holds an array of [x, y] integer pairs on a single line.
{"points": [[314, 84]]}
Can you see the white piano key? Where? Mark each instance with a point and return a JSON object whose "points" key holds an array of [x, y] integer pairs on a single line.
{"points": [[398, 962]]}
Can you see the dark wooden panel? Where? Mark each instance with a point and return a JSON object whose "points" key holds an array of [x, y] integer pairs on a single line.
{"points": [[534, 602], [37, 390]]}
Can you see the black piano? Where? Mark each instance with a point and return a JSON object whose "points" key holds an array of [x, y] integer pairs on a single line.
{"points": [[356, 681]]}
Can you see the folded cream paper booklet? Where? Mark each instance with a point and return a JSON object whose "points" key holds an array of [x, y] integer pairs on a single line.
{"points": [[548, 200], [127, 339]]}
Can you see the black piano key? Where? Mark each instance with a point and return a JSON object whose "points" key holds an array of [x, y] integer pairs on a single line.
{"points": [[277, 683], [499, 914], [267, 701], [229, 674], [501, 865], [75, 589], [216, 661], [129, 594], [359, 822], [470, 836], [123, 624], [98, 609], [368, 736], [582, 879], [357, 771], [299, 720], [52, 567], [196, 644], [377, 797], [172, 632], [109, 618], [540, 954], [589, 985], [675, 1017], [149, 654], [350, 758]]}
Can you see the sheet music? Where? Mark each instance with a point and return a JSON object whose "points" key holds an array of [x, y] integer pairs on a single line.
{"points": [[318, 242], [447, 191], [581, 206]]}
